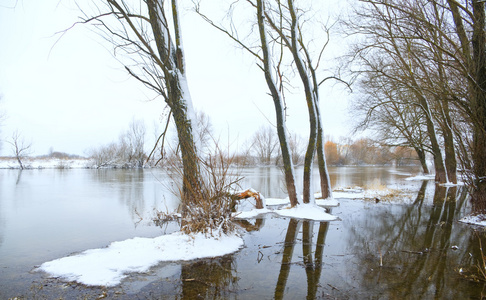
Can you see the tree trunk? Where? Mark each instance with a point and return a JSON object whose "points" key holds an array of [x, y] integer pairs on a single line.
{"points": [[440, 171], [190, 163], [422, 159], [321, 162], [450, 153], [178, 99], [279, 109], [311, 106], [478, 106]]}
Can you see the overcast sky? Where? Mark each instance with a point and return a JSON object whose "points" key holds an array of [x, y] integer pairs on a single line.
{"points": [[71, 94]]}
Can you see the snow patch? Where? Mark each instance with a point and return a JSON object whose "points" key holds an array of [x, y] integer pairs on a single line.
{"points": [[276, 201], [250, 214], [108, 266], [421, 177], [479, 220], [311, 211], [306, 211], [450, 184], [327, 202]]}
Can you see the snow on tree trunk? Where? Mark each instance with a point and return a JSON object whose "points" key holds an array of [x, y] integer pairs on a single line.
{"points": [[178, 96]]}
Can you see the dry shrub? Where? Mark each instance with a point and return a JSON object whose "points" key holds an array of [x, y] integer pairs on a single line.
{"points": [[207, 206]]}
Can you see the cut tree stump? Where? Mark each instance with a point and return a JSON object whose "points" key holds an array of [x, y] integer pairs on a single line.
{"points": [[251, 193]]}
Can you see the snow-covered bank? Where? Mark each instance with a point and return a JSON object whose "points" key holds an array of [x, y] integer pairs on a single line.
{"points": [[45, 163], [108, 266]]}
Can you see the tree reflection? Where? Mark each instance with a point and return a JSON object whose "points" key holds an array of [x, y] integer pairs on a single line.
{"points": [[416, 247], [248, 226], [313, 265], [128, 186], [288, 252], [213, 278], [313, 268]]}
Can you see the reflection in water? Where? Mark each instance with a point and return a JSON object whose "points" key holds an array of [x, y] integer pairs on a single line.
{"points": [[209, 278], [288, 252], [19, 176], [417, 246], [248, 226], [313, 266], [129, 188], [313, 269]]}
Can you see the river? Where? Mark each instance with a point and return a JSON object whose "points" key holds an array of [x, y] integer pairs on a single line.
{"points": [[409, 248]]}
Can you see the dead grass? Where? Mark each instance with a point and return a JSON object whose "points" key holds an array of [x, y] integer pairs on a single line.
{"points": [[381, 192]]}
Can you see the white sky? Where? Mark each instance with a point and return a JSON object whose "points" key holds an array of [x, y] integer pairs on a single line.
{"points": [[73, 95]]}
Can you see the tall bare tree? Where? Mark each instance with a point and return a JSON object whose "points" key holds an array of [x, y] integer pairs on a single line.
{"points": [[450, 37], [389, 112], [144, 32], [392, 50], [149, 34], [469, 28], [291, 35], [270, 63], [280, 27]]}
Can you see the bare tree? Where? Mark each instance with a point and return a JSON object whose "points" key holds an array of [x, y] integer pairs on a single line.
{"points": [[264, 144], [297, 147], [269, 59], [392, 50], [280, 30], [20, 148], [470, 20], [143, 32], [136, 142], [443, 61], [290, 32], [389, 111], [105, 156]]}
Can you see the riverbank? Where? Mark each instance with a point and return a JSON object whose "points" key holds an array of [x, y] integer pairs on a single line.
{"points": [[46, 163]]}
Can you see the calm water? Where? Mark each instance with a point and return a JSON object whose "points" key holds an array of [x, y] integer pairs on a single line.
{"points": [[47, 214]]}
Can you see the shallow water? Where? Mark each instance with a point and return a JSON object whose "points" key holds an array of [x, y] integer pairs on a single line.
{"points": [[47, 214]]}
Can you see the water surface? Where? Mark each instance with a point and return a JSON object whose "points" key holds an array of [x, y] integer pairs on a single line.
{"points": [[409, 249]]}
